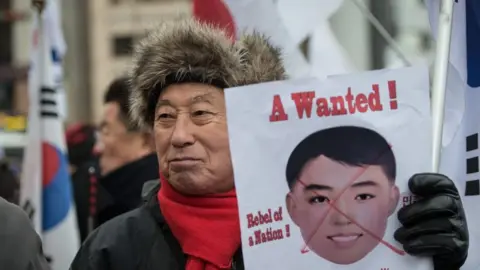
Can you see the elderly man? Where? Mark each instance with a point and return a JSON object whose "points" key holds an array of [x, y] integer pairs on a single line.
{"points": [[192, 221]]}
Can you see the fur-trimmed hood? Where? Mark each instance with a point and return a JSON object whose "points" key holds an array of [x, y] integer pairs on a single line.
{"points": [[190, 51]]}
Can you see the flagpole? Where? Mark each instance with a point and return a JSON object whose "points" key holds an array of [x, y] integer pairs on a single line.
{"points": [[439, 84], [39, 6]]}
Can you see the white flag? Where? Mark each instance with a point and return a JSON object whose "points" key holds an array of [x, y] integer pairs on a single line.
{"points": [[310, 18], [46, 185], [460, 155], [287, 23], [31, 180], [263, 16]]}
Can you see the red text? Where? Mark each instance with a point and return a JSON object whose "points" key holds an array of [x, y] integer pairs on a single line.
{"points": [[267, 217], [264, 236], [307, 104]]}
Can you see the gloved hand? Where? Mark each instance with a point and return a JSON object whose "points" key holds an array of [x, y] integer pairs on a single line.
{"points": [[435, 225]]}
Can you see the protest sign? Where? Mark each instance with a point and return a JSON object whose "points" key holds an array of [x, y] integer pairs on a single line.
{"points": [[321, 168]]}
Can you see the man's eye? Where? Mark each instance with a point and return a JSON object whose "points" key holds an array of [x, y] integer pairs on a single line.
{"points": [[164, 116], [200, 113], [318, 200], [364, 197]]}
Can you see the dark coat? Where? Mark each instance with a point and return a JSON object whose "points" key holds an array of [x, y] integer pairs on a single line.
{"points": [[123, 187], [81, 183], [140, 239], [111, 195]]}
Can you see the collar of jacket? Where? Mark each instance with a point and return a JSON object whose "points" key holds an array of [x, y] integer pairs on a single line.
{"points": [[149, 196], [135, 173]]}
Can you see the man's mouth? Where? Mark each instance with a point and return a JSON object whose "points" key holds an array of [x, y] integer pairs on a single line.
{"points": [[183, 162], [183, 159]]}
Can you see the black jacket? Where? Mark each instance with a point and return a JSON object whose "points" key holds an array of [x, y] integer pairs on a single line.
{"points": [[81, 190], [139, 239], [114, 194], [122, 188]]}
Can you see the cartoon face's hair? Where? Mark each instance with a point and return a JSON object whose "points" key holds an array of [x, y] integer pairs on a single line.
{"points": [[189, 51], [349, 145]]}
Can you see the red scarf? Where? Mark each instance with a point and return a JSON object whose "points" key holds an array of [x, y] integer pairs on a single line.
{"points": [[207, 228]]}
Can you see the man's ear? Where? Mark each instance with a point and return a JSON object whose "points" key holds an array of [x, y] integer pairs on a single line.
{"points": [[394, 197], [290, 202], [148, 140]]}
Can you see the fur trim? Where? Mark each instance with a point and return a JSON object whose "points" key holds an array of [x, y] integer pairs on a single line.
{"points": [[190, 51]]}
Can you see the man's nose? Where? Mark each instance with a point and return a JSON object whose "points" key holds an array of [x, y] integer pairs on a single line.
{"points": [[182, 132], [339, 213]]}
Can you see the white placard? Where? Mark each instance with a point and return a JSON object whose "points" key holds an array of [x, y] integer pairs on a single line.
{"points": [[321, 168]]}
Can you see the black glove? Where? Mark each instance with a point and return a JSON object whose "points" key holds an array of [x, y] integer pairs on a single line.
{"points": [[435, 225]]}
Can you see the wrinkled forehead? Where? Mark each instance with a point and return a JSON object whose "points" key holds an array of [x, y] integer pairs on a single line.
{"points": [[186, 94]]}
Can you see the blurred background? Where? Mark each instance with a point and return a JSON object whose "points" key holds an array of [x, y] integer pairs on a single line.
{"points": [[100, 35]]}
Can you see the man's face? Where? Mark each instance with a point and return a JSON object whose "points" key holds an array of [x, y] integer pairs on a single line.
{"points": [[115, 144], [192, 140], [367, 198]]}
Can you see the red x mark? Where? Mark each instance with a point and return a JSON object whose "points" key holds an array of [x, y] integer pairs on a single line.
{"points": [[332, 205]]}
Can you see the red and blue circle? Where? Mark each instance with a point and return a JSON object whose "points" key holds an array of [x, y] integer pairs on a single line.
{"points": [[57, 191]]}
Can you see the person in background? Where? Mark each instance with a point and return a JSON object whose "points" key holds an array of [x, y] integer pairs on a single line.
{"points": [[126, 156], [190, 217], [20, 245], [9, 184], [81, 139]]}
